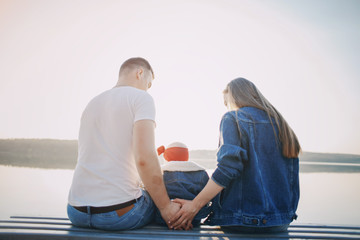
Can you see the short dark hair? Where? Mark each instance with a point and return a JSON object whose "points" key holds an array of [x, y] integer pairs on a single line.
{"points": [[136, 62]]}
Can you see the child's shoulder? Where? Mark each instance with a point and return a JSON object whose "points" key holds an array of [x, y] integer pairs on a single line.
{"points": [[182, 166]]}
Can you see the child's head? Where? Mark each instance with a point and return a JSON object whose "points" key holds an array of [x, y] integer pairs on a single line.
{"points": [[176, 151]]}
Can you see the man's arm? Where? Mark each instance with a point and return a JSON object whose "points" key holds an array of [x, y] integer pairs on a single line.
{"points": [[148, 167]]}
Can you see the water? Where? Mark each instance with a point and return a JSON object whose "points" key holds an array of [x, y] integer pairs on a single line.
{"points": [[326, 198]]}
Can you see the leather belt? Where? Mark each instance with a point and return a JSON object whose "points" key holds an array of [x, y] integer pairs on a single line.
{"points": [[96, 210]]}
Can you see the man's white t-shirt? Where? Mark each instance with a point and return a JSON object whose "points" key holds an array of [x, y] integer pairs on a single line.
{"points": [[106, 173]]}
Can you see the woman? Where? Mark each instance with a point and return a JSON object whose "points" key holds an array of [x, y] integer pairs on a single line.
{"points": [[257, 174]]}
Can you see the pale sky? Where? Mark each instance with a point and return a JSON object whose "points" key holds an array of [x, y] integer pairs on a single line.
{"points": [[56, 55]]}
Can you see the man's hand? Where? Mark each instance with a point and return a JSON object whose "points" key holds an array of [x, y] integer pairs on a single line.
{"points": [[183, 219], [169, 211]]}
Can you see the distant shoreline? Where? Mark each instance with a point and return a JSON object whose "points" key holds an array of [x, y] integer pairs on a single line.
{"points": [[62, 154]]}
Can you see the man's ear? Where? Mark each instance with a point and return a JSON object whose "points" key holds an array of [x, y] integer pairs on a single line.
{"points": [[139, 73]]}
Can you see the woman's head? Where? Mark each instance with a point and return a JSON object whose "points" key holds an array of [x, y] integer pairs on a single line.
{"points": [[240, 92]]}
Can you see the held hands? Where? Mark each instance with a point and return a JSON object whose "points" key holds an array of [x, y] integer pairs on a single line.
{"points": [[169, 211], [189, 209], [183, 218]]}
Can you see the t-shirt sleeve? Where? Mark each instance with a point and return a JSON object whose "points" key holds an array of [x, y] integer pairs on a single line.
{"points": [[144, 108]]}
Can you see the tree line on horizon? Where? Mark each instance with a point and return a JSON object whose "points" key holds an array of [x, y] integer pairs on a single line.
{"points": [[62, 154]]}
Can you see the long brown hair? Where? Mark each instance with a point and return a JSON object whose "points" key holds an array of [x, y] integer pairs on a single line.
{"points": [[244, 93]]}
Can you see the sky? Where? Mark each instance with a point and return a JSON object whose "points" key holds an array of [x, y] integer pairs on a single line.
{"points": [[55, 56]]}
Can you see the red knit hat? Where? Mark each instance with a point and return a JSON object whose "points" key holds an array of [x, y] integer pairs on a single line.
{"points": [[176, 151]]}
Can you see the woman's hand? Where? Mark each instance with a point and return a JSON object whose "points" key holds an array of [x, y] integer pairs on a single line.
{"points": [[183, 219]]}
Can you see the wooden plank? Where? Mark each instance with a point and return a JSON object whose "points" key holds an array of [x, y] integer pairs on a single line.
{"points": [[23, 227], [42, 218], [324, 226]]}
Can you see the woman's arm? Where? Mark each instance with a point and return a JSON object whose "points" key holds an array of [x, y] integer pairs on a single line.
{"points": [[230, 158], [189, 209]]}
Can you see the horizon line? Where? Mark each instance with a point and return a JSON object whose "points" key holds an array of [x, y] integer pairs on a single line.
{"points": [[190, 149]]}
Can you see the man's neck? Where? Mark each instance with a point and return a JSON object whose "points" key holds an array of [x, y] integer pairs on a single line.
{"points": [[125, 83]]}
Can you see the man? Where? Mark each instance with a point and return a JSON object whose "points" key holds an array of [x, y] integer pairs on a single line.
{"points": [[116, 146]]}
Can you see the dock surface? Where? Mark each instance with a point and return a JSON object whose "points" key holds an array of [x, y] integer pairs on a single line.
{"points": [[27, 227]]}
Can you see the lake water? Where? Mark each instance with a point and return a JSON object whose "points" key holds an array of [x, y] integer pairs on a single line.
{"points": [[326, 198]]}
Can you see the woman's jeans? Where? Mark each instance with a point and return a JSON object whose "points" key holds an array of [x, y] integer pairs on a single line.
{"points": [[140, 215]]}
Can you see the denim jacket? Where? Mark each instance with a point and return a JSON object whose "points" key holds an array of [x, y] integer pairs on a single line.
{"points": [[261, 187], [185, 185]]}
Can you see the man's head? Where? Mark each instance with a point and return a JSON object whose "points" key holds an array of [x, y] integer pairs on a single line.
{"points": [[136, 72]]}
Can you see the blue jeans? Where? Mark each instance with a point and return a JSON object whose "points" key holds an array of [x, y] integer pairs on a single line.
{"points": [[140, 215]]}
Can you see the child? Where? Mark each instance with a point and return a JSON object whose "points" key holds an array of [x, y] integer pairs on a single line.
{"points": [[183, 179]]}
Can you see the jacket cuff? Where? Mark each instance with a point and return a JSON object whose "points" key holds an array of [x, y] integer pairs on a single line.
{"points": [[220, 178]]}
